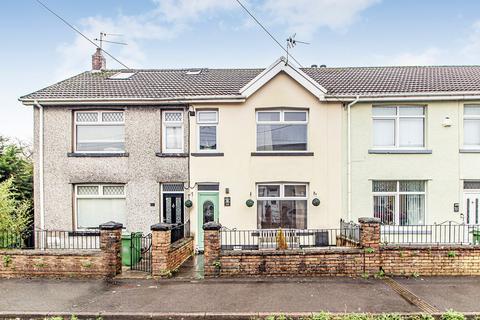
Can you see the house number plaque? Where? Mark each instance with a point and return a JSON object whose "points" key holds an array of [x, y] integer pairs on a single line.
{"points": [[227, 201]]}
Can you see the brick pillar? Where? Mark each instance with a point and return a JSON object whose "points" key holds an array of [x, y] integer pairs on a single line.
{"points": [[211, 249], [110, 244], [161, 238], [369, 232]]}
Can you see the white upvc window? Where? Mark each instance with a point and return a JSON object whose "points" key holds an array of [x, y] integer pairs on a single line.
{"points": [[471, 126], [399, 202], [99, 131], [282, 130], [399, 127], [282, 205], [207, 121], [99, 203], [172, 134]]}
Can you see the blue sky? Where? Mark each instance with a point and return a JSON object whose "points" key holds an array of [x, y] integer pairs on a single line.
{"points": [[38, 49]]}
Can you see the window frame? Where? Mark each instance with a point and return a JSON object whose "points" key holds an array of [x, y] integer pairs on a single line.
{"points": [[100, 195], [207, 124], [280, 121], [397, 195], [470, 117], [396, 119], [166, 124], [96, 123], [282, 197]]}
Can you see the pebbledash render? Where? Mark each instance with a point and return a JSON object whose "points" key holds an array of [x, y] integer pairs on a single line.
{"points": [[257, 148]]}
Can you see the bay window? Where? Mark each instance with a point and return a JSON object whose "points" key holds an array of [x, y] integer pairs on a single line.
{"points": [[399, 202], [97, 204], [398, 126], [282, 130], [207, 130], [172, 123], [99, 131], [282, 206], [471, 126]]}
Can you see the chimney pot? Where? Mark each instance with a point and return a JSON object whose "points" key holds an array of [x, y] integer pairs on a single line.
{"points": [[98, 61]]}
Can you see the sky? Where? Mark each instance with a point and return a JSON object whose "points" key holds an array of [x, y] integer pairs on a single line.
{"points": [[38, 49]]}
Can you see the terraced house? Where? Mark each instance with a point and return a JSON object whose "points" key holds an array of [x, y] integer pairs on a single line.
{"points": [[285, 147]]}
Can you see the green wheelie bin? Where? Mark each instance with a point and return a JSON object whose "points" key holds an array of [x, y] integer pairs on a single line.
{"points": [[131, 248]]}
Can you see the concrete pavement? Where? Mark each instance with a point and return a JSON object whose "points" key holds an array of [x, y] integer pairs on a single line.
{"points": [[235, 296]]}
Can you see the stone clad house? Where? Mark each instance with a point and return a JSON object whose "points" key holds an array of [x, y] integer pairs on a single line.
{"points": [[257, 148]]}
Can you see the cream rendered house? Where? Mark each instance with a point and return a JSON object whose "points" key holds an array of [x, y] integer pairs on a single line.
{"points": [[285, 147]]}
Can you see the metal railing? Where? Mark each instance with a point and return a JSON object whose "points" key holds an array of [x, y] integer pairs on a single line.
{"points": [[180, 231], [436, 234], [233, 239], [350, 231], [51, 239]]}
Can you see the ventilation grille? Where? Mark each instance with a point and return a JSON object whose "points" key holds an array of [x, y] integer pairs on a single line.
{"points": [[469, 185]]}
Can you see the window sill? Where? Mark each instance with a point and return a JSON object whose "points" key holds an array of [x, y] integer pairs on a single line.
{"points": [[207, 154], [171, 155], [97, 155], [400, 151], [469, 150], [282, 154]]}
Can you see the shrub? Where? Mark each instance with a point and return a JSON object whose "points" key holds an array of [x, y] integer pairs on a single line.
{"points": [[452, 315]]}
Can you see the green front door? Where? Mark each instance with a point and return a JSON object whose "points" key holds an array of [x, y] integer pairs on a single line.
{"points": [[207, 212]]}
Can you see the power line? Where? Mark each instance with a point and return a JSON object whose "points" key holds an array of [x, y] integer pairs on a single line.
{"points": [[80, 33], [268, 32]]}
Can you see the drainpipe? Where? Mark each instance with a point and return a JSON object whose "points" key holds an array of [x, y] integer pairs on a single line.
{"points": [[349, 158], [40, 165]]}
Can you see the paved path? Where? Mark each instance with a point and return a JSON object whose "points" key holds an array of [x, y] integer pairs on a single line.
{"points": [[273, 295]]}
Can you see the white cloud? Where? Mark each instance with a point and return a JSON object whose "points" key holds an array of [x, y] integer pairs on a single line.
{"points": [[472, 48], [430, 56], [166, 20], [306, 16]]}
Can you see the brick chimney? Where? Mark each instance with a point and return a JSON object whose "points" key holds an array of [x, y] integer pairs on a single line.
{"points": [[98, 61]]}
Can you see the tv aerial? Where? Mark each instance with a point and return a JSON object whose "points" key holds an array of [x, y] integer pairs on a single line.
{"points": [[291, 43], [101, 39]]}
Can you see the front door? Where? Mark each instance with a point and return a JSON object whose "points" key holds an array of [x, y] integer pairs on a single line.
{"points": [[173, 208], [472, 210], [207, 212]]}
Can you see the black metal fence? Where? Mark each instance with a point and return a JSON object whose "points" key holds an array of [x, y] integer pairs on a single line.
{"points": [[180, 231], [51, 239], [233, 239], [141, 252], [436, 234], [350, 231]]}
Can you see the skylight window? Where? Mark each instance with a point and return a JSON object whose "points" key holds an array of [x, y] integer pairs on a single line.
{"points": [[193, 72], [121, 75]]}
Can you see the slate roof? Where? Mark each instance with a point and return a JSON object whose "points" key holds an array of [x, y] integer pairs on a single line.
{"points": [[177, 84]]}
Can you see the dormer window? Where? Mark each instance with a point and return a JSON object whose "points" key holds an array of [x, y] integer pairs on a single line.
{"points": [[99, 131]]}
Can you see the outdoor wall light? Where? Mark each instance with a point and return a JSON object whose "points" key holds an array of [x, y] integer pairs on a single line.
{"points": [[188, 203], [316, 202], [249, 203]]}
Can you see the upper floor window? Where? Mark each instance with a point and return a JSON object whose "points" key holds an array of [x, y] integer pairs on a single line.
{"points": [[99, 131], [207, 130], [282, 130], [399, 127], [471, 126], [399, 202], [172, 123], [98, 203], [282, 206]]}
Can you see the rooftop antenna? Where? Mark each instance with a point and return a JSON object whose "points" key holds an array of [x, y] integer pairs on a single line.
{"points": [[291, 43], [101, 39]]}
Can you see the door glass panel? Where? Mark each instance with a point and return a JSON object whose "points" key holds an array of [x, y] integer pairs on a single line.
{"points": [[168, 210], [208, 211], [178, 210]]}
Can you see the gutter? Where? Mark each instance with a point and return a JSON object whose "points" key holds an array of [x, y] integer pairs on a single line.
{"points": [[40, 165]]}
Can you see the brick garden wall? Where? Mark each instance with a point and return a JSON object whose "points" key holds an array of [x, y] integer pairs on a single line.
{"points": [[369, 258], [179, 252], [50, 263], [105, 262]]}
